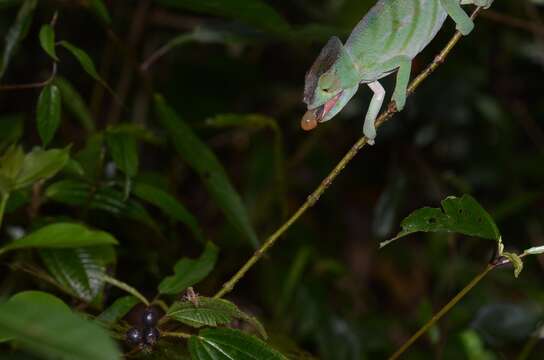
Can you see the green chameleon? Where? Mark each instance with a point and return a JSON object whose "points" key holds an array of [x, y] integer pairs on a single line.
{"points": [[391, 34]]}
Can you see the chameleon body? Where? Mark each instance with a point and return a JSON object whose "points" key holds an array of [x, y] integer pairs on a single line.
{"points": [[386, 40]]}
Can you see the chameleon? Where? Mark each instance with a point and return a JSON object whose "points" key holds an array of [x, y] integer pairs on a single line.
{"points": [[385, 41]]}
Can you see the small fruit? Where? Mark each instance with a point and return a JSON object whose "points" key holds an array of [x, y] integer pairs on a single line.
{"points": [[151, 336], [134, 336], [150, 317]]}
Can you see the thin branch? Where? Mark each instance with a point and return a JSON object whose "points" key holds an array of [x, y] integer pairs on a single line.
{"points": [[176, 334], [126, 287], [314, 197], [442, 311], [31, 85]]}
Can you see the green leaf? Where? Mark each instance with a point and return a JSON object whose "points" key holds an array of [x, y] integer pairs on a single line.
{"points": [[47, 329], [108, 199], [169, 205], [47, 41], [74, 103], [188, 272], [11, 129], [204, 162], [117, 310], [516, 261], [80, 270], [100, 9], [210, 312], [461, 215], [253, 12], [230, 344], [17, 33], [124, 152], [40, 165], [48, 113], [10, 165], [86, 63], [61, 235]]}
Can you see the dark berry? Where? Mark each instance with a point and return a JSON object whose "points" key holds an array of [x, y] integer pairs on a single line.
{"points": [[151, 336], [150, 317], [134, 336]]}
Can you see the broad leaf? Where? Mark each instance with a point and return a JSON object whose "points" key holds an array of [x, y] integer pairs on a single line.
{"points": [[169, 205], [80, 270], [203, 160], [230, 344], [47, 41], [39, 297], [11, 163], [188, 272], [74, 103], [39, 165], [108, 199], [210, 312], [117, 310], [61, 235], [17, 33], [48, 113], [460, 215], [123, 151], [254, 12], [51, 331]]}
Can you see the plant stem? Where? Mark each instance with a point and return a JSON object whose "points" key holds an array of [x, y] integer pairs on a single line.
{"points": [[442, 312], [175, 334], [3, 201], [126, 287], [314, 197]]}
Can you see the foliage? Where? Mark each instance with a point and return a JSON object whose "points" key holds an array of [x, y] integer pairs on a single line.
{"points": [[150, 156]]}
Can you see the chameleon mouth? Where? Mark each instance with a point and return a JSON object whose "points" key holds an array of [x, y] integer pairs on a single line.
{"points": [[314, 116], [322, 111]]}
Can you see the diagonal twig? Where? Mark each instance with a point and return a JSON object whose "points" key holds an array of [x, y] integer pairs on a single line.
{"points": [[314, 196]]}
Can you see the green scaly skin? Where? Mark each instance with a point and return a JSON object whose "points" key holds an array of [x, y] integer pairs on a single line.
{"points": [[386, 40]]}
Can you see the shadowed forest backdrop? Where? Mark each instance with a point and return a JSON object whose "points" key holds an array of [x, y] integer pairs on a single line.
{"points": [[142, 135]]}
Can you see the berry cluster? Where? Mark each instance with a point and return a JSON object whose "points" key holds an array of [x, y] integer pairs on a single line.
{"points": [[148, 335]]}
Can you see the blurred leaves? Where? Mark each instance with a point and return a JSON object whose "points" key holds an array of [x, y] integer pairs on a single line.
{"points": [[48, 113], [461, 215], [503, 323], [17, 33], [53, 331], [108, 199], [80, 270], [101, 11], [73, 102], [116, 311], [226, 344], [188, 272], [253, 12], [61, 235], [204, 162], [169, 205], [19, 170], [210, 312]]}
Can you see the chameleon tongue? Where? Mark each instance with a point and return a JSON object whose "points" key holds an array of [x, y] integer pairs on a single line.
{"points": [[329, 105], [309, 121]]}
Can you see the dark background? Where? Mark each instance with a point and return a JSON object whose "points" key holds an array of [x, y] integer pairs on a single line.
{"points": [[474, 126]]}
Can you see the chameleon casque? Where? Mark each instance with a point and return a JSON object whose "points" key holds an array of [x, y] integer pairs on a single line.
{"points": [[386, 40]]}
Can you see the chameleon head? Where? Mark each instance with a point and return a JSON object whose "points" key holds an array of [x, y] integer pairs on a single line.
{"points": [[328, 86]]}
